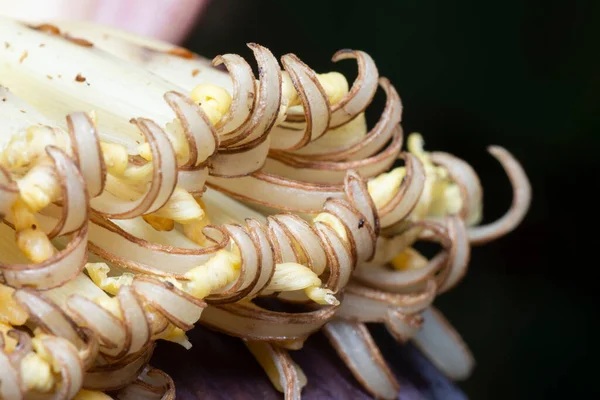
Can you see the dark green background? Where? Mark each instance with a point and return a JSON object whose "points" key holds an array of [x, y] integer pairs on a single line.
{"points": [[521, 74]]}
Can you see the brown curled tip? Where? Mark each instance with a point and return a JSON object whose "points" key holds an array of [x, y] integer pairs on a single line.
{"points": [[181, 52], [520, 203]]}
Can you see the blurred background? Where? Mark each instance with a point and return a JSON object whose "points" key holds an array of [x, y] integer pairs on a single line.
{"points": [[523, 74]]}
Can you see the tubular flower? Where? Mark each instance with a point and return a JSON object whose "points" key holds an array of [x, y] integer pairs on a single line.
{"points": [[143, 191]]}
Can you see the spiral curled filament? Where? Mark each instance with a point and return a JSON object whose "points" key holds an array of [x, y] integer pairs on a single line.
{"points": [[174, 193]]}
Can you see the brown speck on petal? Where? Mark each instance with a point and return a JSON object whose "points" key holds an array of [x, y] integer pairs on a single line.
{"points": [[181, 52], [195, 71], [42, 45], [4, 99], [79, 41], [48, 28], [23, 56], [80, 78], [23, 111], [6, 45]]}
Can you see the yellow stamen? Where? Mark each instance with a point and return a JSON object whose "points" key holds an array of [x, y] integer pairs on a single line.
{"points": [[115, 158], [385, 186], [36, 370], [31, 240], [409, 259], [10, 311], [98, 272], [24, 149], [159, 223], [218, 272], [193, 230], [181, 207], [335, 85], [39, 187], [175, 335], [292, 276], [334, 222], [214, 100]]}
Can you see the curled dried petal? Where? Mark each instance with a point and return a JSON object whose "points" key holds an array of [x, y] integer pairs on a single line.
{"points": [[520, 204]]}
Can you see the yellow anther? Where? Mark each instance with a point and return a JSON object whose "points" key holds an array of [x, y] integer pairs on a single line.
{"points": [[175, 335], [115, 158], [193, 230], [84, 394], [454, 201], [385, 186], [408, 259], [110, 304], [123, 189], [25, 148], [181, 207], [137, 173], [10, 311], [98, 272], [334, 222], [214, 100], [178, 140], [32, 242], [217, 273], [292, 276], [145, 152], [440, 195], [23, 217], [416, 144], [35, 245], [321, 296], [159, 223], [36, 371], [446, 199], [39, 187], [335, 85]]}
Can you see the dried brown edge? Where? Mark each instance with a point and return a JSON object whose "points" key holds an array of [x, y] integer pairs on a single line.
{"points": [[321, 315], [345, 54], [233, 294], [380, 127], [193, 155], [50, 150], [56, 257], [226, 59], [287, 62], [259, 109], [391, 151], [170, 287], [520, 202], [75, 148], [112, 227]]}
